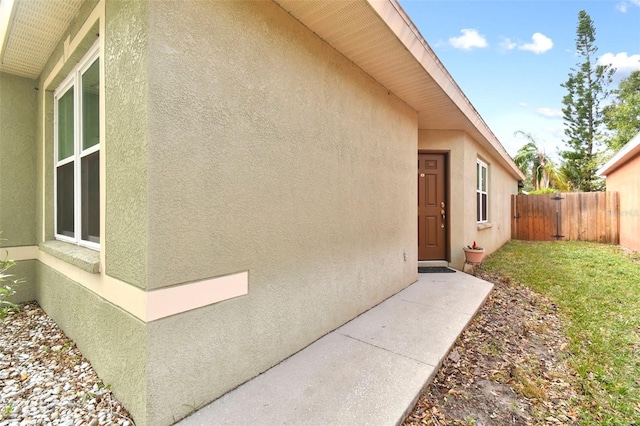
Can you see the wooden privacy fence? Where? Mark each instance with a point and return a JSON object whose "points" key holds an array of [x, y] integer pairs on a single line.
{"points": [[582, 216]]}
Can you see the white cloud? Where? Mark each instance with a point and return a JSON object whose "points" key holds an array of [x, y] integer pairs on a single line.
{"points": [[622, 62], [508, 44], [523, 104], [540, 44], [469, 39], [623, 6], [549, 112]]}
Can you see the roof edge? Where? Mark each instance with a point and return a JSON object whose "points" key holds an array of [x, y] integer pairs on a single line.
{"points": [[629, 150], [6, 16], [442, 77]]}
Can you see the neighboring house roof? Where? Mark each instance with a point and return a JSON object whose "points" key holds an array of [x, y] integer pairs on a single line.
{"points": [[630, 150], [376, 35]]}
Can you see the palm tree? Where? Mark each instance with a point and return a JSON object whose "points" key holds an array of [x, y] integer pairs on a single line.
{"points": [[533, 161]]}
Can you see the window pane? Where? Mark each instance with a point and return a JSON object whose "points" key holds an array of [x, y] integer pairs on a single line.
{"points": [[478, 176], [65, 125], [91, 106], [90, 197], [484, 207], [484, 179], [478, 202], [64, 202]]}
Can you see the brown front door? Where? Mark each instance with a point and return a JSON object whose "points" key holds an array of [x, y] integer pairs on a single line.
{"points": [[432, 208]]}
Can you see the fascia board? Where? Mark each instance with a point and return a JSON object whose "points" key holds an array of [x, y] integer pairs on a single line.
{"points": [[631, 149]]}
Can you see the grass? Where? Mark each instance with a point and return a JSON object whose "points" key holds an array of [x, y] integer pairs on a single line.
{"points": [[597, 290]]}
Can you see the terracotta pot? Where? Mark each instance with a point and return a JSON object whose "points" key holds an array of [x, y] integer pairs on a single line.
{"points": [[473, 256]]}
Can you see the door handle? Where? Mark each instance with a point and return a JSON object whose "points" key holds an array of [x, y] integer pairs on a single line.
{"points": [[442, 213]]}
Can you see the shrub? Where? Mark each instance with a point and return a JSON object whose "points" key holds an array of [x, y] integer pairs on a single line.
{"points": [[6, 287], [544, 191]]}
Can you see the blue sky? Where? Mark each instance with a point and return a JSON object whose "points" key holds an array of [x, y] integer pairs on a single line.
{"points": [[510, 56]]}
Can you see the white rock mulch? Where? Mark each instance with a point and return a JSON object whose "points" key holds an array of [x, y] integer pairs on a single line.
{"points": [[45, 380]]}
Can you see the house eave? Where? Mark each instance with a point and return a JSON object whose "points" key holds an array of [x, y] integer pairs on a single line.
{"points": [[630, 150], [380, 38], [376, 35], [6, 17], [29, 32]]}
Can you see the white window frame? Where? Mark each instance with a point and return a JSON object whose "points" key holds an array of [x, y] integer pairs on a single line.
{"points": [[480, 165], [74, 79]]}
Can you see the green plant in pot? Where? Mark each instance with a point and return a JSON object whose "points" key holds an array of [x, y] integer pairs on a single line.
{"points": [[473, 254]]}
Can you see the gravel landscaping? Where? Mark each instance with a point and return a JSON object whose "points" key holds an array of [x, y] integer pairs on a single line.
{"points": [[525, 359], [45, 380], [506, 368]]}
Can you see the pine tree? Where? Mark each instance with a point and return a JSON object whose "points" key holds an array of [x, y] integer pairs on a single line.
{"points": [[586, 89]]}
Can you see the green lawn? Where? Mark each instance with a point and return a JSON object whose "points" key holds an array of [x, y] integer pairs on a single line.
{"points": [[597, 290]]}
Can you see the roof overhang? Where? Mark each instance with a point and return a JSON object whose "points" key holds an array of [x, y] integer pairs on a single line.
{"points": [[629, 151], [376, 35], [29, 32], [379, 37]]}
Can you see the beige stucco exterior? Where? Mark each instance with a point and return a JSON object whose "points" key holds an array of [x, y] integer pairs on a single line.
{"points": [[293, 154], [250, 170], [463, 152], [622, 176], [626, 181]]}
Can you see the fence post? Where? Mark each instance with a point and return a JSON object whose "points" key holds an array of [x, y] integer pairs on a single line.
{"points": [[557, 199], [514, 222]]}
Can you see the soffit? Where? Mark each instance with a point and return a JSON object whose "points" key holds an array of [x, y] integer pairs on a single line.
{"points": [[629, 151], [376, 35], [355, 30], [379, 37], [32, 32]]}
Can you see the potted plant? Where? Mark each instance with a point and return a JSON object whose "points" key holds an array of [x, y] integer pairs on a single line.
{"points": [[473, 254]]}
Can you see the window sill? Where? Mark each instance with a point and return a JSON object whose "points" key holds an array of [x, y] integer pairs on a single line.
{"points": [[82, 257], [482, 226]]}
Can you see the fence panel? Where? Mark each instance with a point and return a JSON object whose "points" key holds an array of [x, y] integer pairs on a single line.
{"points": [[581, 216]]}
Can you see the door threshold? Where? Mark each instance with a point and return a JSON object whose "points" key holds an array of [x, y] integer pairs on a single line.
{"points": [[428, 263]]}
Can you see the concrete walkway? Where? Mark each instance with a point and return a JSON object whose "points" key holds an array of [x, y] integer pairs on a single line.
{"points": [[368, 372]]}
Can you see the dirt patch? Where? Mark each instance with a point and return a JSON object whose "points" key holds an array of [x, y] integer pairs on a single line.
{"points": [[507, 367]]}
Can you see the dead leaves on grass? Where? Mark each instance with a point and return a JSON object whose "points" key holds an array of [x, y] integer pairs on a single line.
{"points": [[506, 368]]}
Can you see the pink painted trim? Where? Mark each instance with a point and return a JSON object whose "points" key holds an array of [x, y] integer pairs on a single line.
{"points": [[174, 300]]}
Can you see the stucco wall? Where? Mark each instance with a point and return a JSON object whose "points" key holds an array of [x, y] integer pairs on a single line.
{"points": [[463, 229], [18, 161], [17, 176], [626, 180], [125, 146], [502, 185], [44, 129], [113, 340], [268, 152], [25, 272]]}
